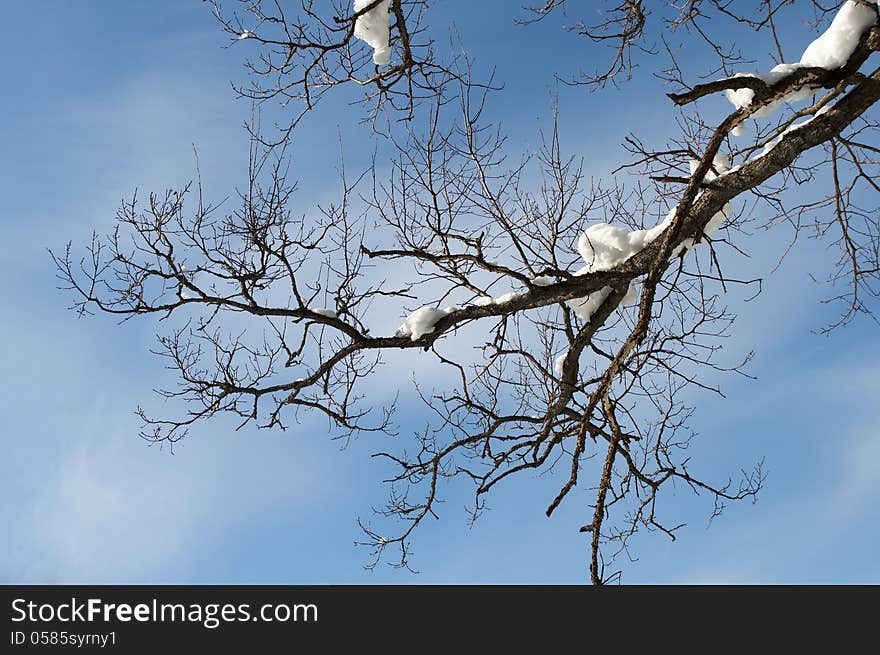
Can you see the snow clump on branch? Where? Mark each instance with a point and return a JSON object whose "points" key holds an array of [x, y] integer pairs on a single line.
{"points": [[604, 246], [830, 51], [373, 28], [422, 321]]}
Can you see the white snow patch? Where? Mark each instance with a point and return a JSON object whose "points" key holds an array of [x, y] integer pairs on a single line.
{"points": [[422, 321], [329, 313], [485, 301], [720, 166], [585, 307], [543, 281], [506, 297], [245, 35], [836, 45], [604, 246], [632, 295], [740, 98], [558, 363], [791, 128], [373, 28], [830, 51]]}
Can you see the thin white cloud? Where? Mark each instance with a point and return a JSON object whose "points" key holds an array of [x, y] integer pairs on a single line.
{"points": [[88, 501], [116, 510]]}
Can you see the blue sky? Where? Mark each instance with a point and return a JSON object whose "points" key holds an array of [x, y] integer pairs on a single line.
{"points": [[105, 97]]}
